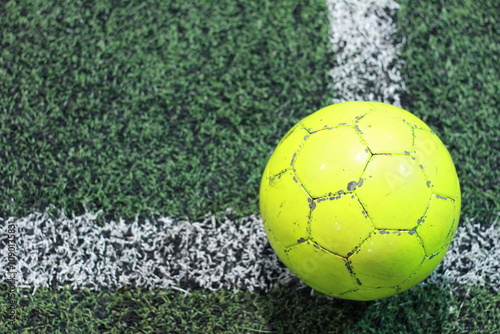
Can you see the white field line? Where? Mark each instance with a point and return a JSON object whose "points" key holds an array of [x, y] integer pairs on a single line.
{"points": [[86, 251], [367, 66], [473, 257]]}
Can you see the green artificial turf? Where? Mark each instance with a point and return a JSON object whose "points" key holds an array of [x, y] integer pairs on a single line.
{"points": [[452, 79], [155, 106], [424, 309], [173, 108]]}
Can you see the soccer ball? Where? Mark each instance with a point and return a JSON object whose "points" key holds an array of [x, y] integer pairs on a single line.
{"points": [[360, 200]]}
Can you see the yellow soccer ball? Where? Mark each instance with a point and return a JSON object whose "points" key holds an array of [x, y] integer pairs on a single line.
{"points": [[360, 200]]}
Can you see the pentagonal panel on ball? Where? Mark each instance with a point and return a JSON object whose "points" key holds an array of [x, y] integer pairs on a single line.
{"points": [[406, 116], [387, 258], [437, 224], [285, 152], [337, 114], [436, 163], [364, 293], [321, 270], [395, 192], [284, 208], [385, 133], [330, 159], [339, 224], [426, 268]]}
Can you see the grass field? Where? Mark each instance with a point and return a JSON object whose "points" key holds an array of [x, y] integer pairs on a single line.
{"points": [[147, 108], [430, 309], [128, 111]]}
